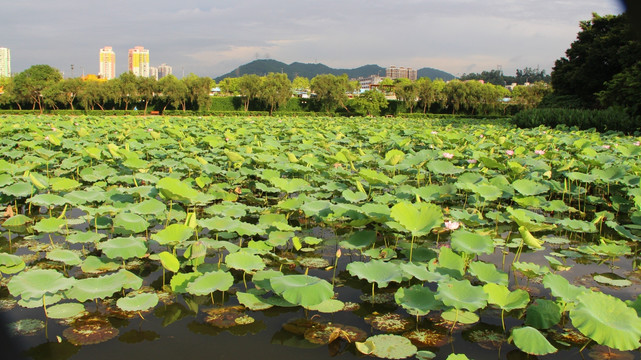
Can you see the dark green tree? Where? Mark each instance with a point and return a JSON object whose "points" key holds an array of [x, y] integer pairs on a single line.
{"points": [[331, 91], [31, 83], [128, 88], [605, 46], [407, 92], [369, 103], [173, 92], [198, 89], [249, 86], [275, 90]]}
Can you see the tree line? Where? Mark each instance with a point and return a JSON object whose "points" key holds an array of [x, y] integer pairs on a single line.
{"points": [[42, 87]]}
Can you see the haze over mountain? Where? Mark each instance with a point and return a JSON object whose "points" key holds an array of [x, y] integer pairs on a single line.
{"points": [[266, 66]]}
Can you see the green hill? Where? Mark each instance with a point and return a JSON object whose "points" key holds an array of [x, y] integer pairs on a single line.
{"points": [[265, 66]]}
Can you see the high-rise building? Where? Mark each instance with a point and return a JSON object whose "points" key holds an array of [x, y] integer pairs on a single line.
{"points": [[153, 72], [107, 63], [394, 72], [5, 62], [139, 61], [164, 70]]}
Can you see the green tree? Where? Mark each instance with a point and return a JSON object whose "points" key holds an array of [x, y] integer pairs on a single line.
{"points": [[427, 92], [300, 83], [331, 91], [127, 88], [369, 103], [9, 94], [31, 83], [624, 90], [275, 90], [229, 86], [456, 94], [70, 89], [528, 97], [605, 47], [145, 89], [249, 87], [407, 92], [198, 89], [173, 92]]}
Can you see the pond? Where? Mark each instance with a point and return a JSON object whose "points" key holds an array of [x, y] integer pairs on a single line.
{"points": [[316, 237]]}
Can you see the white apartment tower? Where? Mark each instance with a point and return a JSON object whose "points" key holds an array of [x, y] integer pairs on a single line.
{"points": [[139, 61], [164, 70], [5, 62], [107, 63]]}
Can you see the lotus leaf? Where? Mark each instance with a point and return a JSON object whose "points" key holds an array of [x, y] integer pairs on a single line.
{"points": [[376, 271], [124, 247], [244, 261], [210, 282], [173, 234], [252, 302], [359, 240], [65, 311], [472, 243], [93, 264], [450, 263], [543, 314], [138, 302], [303, 290], [180, 281], [453, 317], [419, 218], [26, 327], [19, 189], [11, 264], [290, 185], [328, 306], [149, 207], [48, 200], [460, 294], [67, 257], [530, 187], [531, 341], [373, 177], [444, 167], [130, 222], [177, 190], [36, 283], [561, 287], [417, 300], [487, 273], [95, 288], [50, 225], [387, 347], [17, 221], [607, 320]]}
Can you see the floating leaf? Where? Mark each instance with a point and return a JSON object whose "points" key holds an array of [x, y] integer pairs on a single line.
{"points": [[302, 290], [210, 282], [124, 247], [65, 311], [472, 243], [531, 341], [138, 302], [419, 218], [376, 271], [388, 347]]}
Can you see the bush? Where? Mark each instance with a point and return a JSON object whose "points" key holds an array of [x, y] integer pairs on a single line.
{"points": [[611, 119]]}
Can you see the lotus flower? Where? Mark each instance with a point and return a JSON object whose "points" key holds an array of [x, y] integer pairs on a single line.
{"points": [[471, 161], [539, 152], [509, 152], [434, 132], [448, 155], [637, 143], [452, 225], [605, 146]]}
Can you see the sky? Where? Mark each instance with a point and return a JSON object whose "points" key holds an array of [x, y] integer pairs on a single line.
{"points": [[212, 38]]}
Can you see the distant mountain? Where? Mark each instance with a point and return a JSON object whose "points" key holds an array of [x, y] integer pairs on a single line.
{"points": [[265, 66]]}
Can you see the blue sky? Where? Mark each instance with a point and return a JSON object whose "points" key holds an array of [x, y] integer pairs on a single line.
{"points": [[211, 38]]}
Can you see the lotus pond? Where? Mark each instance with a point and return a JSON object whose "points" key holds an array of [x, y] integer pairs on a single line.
{"points": [[313, 237]]}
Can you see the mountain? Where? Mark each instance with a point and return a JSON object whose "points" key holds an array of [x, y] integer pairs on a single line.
{"points": [[265, 66]]}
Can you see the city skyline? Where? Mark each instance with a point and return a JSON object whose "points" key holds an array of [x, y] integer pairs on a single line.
{"points": [[211, 39], [5, 62]]}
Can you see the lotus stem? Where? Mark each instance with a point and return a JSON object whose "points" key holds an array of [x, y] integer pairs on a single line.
{"points": [[212, 297], [140, 314], [503, 319], [171, 203], [412, 247], [455, 321], [244, 282], [586, 344], [373, 284], [44, 306]]}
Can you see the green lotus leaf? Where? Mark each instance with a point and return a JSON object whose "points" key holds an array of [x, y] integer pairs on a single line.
{"points": [[34, 284], [611, 174], [394, 156], [65, 311], [373, 177], [67, 257], [388, 346], [131, 222], [135, 163], [210, 282], [290, 185], [530, 187], [529, 269], [577, 225], [244, 261], [457, 357], [316, 207], [359, 240], [487, 273], [124, 247], [460, 316], [328, 306], [11, 264], [460, 294], [63, 184], [252, 302], [577, 176], [49, 225], [417, 300], [149, 207], [95, 288], [426, 355], [85, 237], [487, 192], [505, 299], [180, 281], [169, 261], [19, 189], [93, 152], [94, 264], [561, 287], [354, 197], [612, 280], [543, 314], [48, 200], [444, 167], [218, 223], [138, 302], [173, 234], [419, 272], [84, 196], [607, 320], [450, 263], [177, 190], [97, 173], [5, 179], [16, 221], [419, 218], [376, 271], [303, 290], [531, 341], [471, 243]]}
